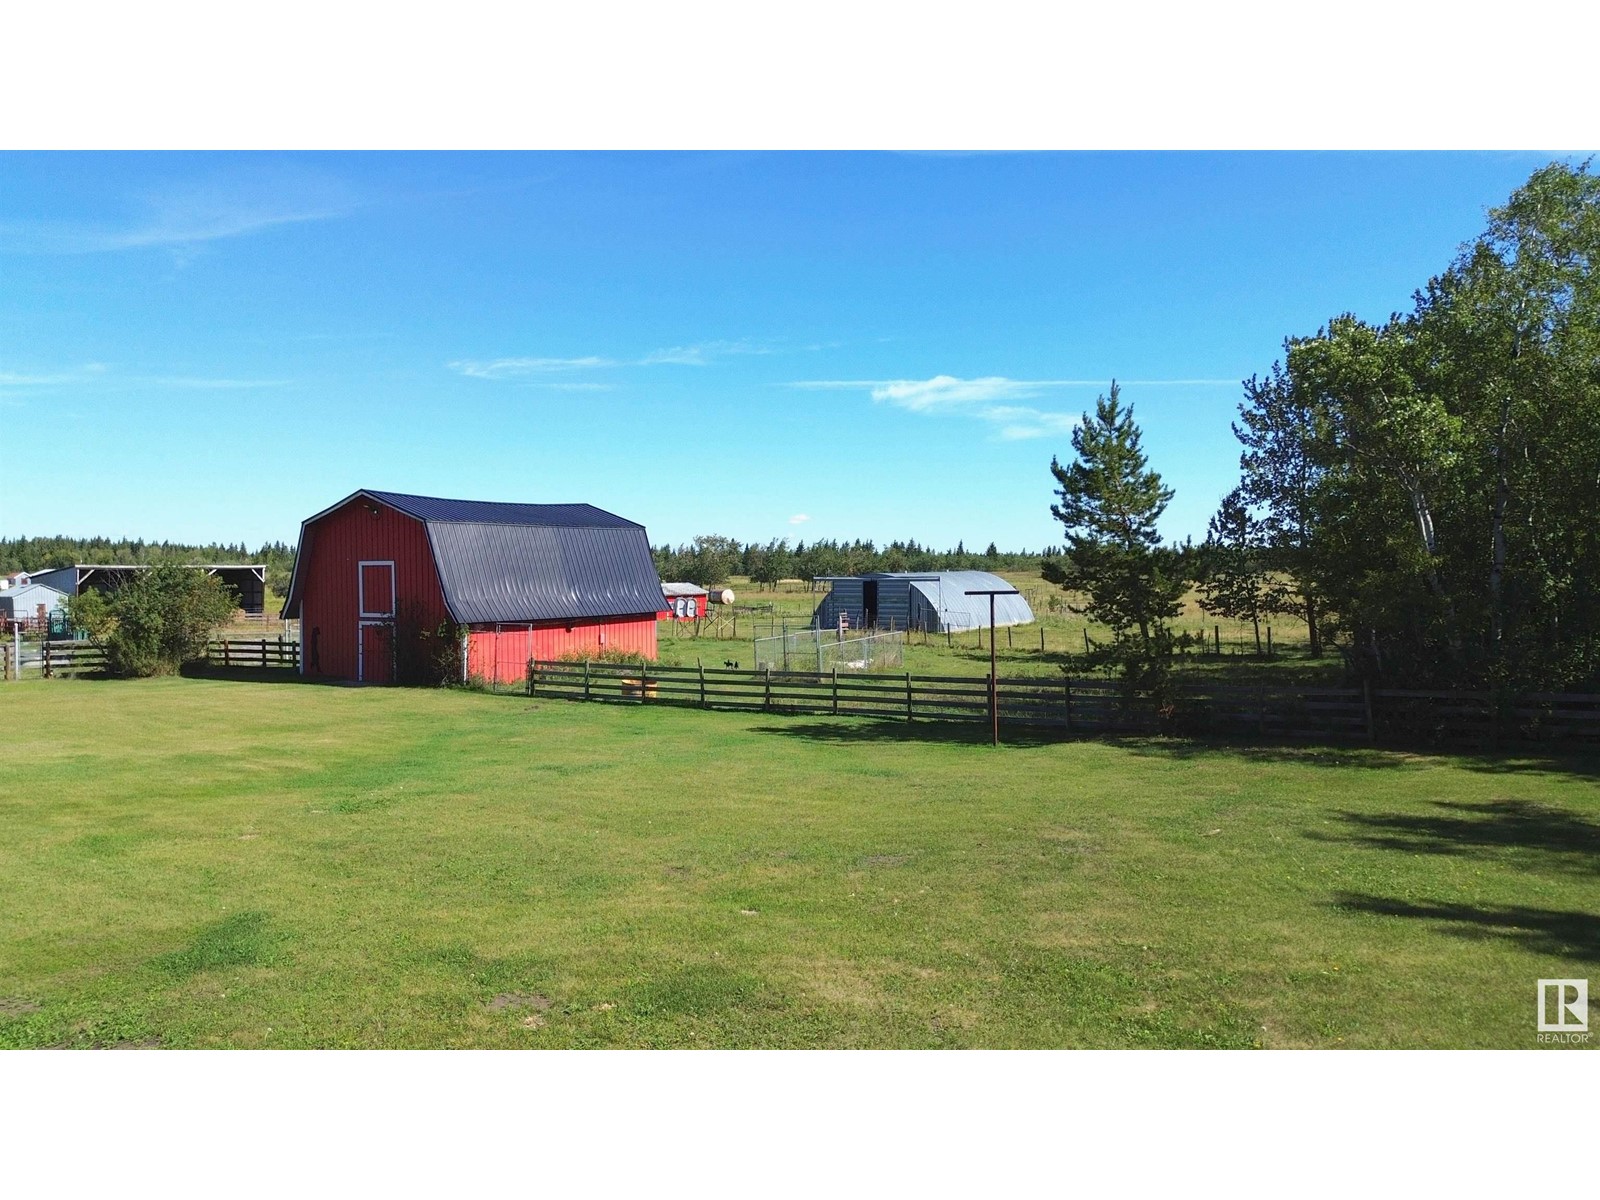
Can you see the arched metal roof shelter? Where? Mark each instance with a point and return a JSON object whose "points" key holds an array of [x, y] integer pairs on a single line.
{"points": [[932, 600]]}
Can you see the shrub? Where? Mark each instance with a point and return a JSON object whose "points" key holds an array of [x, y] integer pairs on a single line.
{"points": [[155, 622], [426, 654]]}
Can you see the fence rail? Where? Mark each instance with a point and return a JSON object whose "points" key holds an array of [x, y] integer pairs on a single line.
{"points": [[57, 659], [1462, 720]]}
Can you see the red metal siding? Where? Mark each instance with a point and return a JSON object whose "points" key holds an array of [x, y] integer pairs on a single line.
{"points": [[330, 606], [501, 652]]}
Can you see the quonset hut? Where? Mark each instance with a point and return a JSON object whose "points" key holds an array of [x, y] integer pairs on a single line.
{"points": [[934, 601], [521, 580]]}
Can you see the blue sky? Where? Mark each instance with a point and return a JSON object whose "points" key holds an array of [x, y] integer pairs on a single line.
{"points": [[214, 346]]}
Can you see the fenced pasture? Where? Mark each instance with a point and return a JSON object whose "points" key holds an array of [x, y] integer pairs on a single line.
{"points": [[56, 659], [1057, 639], [1096, 705], [207, 863]]}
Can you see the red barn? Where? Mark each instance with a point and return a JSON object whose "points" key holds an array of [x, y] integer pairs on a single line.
{"points": [[521, 580]]}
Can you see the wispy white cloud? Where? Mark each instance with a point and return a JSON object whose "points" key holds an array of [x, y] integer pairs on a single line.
{"points": [[186, 215], [1017, 422], [99, 375], [946, 391], [700, 354], [517, 368], [703, 354], [53, 378], [990, 399], [799, 519]]}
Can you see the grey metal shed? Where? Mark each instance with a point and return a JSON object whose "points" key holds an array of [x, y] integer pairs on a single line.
{"points": [[21, 603], [934, 600]]}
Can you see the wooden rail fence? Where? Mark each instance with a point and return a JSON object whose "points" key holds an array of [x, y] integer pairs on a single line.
{"points": [[1463, 720], [57, 659]]}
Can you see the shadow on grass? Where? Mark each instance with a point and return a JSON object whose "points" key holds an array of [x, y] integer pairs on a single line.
{"points": [[846, 730], [843, 731], [1578, 764], [1563, 934], [1564, 839], [248, 674]]}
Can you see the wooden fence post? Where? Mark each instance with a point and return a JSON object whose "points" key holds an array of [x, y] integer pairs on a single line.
{"points": [[836, 689], [586, 679], [533, 676], [766, 702], [908, 697], [48, 672], [644, 682], [1086, 641], [1067, 689], [702, 669], [226, 661], [1041, 639]]}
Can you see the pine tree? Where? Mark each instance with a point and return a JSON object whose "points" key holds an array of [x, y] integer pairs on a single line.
{"points": [[1109, 503]]}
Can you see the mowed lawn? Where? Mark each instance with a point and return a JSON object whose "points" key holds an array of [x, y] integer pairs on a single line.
{"points": [[213, 863]]}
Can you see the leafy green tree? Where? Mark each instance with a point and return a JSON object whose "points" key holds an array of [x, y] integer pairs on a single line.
{"points": [[1235, 581], [156, 621], [1109, 503], [1428, 482], [1284, 468]]}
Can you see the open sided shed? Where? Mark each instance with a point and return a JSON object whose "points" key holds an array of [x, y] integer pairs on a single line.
{"points": [[521, 580], [248, 580], [934, 601]]}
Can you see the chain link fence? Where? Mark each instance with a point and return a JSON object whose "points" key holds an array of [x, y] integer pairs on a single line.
{"points": [[823, 650]]}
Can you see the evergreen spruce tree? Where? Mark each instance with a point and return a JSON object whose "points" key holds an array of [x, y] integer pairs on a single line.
{"points": [[1110, 501]]}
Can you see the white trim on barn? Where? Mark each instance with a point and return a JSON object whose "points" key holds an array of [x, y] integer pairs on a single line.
{"points": [[361, 586]]}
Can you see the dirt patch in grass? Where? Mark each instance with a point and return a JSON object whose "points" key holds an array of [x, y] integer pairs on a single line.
{"points": [[10, 1006], [836, 981], [533, 1000]]}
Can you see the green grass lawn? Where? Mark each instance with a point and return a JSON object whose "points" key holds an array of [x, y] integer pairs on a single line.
{"points": [[202, 863]]}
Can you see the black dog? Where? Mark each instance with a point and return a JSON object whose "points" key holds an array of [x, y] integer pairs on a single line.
{"points": [[730, 664]]}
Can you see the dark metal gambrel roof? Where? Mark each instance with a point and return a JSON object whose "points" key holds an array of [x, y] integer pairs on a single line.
{"points": [[526, 562], [504, 572], [489, 512]]}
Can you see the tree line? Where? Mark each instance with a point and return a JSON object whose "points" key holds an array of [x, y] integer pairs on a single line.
{"points": [[712, 559], [1420, 492]]}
